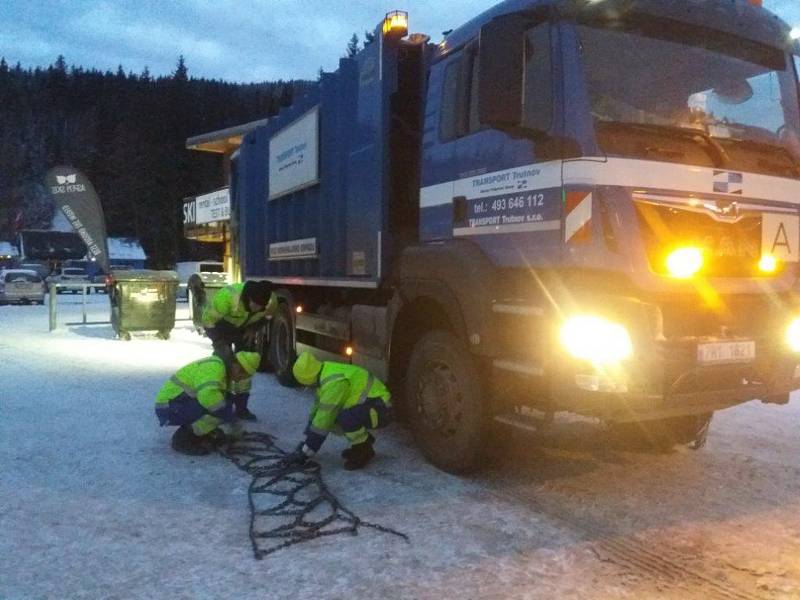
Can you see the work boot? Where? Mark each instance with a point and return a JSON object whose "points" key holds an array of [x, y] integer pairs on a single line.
{"points": [[186, 442], [347, 452], [359, 457], [244, 414], [216, 438]]}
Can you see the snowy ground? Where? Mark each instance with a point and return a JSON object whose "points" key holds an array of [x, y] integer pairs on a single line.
{"points": [[94, 504]]}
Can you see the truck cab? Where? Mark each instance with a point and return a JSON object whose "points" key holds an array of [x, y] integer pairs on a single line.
{"points": [[628, 172]]}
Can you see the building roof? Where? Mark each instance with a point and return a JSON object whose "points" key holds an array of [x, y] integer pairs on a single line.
{"points": [[125, 249], [223, 141], [6, 249]]}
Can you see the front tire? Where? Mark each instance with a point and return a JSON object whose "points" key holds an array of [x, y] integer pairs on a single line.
{"points": [[281, 346], [444, 392]]}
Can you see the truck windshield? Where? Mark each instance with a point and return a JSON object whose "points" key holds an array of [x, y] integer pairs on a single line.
{"points": [[678, 95]]}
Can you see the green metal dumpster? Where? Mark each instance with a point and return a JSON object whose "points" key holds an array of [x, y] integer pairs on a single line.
{"points": [[202, 287], [143, 300]]}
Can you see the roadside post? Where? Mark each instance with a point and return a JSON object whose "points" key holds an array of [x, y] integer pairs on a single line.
{"points": [[51, 301]]}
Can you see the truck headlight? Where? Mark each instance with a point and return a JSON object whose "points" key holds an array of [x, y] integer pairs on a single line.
{"points": [[597, 340], [793, 335], [684, 262]]}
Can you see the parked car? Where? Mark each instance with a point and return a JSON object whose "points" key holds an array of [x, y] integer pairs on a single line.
{"points": [[186, 269], [107, 280], [22, 286], [42, 270], [100, 282], [69, 275]]}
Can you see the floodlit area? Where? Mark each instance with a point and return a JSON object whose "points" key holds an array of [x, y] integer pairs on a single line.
{"points": [[95, 504]]}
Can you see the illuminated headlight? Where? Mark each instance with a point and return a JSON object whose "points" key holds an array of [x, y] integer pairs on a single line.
{"points": [[768, 264], [793, 335], [597, 340], [684, 262]]}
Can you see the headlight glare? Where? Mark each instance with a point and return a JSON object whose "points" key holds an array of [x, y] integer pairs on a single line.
{"points": [[684, 262], [768, 264], [793, 335], [596, 339]]}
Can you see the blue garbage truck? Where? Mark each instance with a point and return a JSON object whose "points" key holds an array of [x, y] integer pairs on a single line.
{"points": [[580, 206]]}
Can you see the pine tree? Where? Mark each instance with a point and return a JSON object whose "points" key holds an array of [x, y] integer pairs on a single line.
{"points": [[127, 132], [352, 46], [181, 72]]}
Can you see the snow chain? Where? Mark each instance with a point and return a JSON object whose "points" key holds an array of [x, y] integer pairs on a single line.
{"points": [[297, 495]]}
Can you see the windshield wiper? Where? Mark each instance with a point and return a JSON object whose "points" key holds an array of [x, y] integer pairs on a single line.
{"points": [[717, 153], [772, 149]]}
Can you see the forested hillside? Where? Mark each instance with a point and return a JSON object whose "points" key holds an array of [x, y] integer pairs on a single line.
{"points": [[127, 132]]}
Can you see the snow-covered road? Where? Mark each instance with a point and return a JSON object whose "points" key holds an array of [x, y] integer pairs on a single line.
{"points": [[94, 504]]}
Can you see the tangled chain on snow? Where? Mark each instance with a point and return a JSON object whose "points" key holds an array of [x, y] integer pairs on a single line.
{"points": [[295, 497]]}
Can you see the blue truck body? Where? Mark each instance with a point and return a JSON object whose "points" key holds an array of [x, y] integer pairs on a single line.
{"points": [[547, 160], [348, 207]]}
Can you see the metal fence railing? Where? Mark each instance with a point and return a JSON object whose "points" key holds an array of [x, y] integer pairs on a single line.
{"points": [[53, 289], [84, 288]]}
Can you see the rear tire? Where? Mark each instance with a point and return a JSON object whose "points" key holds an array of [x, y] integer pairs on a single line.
{"points": [[262, 347], [445, 401], [281, 346]]}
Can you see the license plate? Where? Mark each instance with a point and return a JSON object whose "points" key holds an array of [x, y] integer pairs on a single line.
{"points": [[717, 353]]}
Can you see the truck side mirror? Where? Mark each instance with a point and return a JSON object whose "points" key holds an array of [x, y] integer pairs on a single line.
{"points": [[501, 60]]}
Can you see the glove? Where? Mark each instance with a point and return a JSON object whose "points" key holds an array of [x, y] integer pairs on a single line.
{"points": [[250, 336], [297, 458], [216, 438], [294, 459]]}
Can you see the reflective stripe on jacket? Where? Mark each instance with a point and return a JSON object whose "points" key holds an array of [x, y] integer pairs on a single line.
{"points": [[203, 379], [227, 305]]}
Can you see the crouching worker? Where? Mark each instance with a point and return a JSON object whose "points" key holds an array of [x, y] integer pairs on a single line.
{"points": [[231, 320], [349, 400], [196, 399]]}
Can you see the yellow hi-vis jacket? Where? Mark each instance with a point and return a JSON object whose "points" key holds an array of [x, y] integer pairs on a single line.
{"points": [[204, 380], [227, 305], [341, 386]]}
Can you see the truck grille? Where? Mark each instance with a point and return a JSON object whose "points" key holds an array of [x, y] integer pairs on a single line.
{"points": [[685, 325], [742, 316], [731, 248]]}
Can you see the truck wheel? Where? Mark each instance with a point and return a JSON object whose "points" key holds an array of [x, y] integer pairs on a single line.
{"points": [[261, 345], [445, 400], [281, 346]]}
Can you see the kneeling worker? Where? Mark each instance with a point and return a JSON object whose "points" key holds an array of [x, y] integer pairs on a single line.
{"points": [[196, 400], [232, 319], [350, 399]]}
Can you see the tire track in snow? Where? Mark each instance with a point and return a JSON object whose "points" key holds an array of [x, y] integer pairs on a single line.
{"points": [[660, 562]]}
